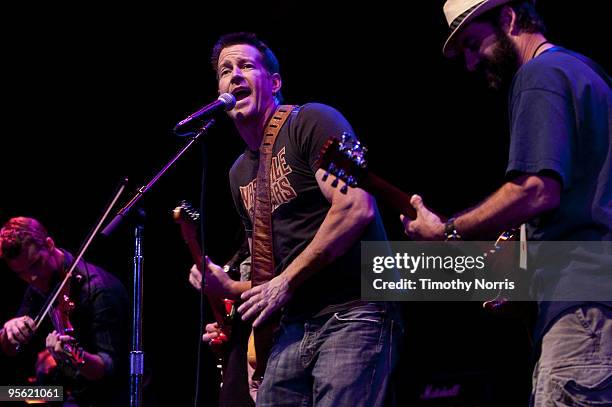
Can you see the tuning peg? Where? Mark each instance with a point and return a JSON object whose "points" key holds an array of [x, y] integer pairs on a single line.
{"points": [[335, 182], [350, 181], [331, 169]]}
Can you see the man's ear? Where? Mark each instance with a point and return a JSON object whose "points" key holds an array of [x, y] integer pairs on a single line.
{"points": [[49, 243], [277, 83], [508, 21]]}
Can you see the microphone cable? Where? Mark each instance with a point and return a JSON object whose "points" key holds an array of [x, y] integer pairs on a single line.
{"points": [[203, 219]]}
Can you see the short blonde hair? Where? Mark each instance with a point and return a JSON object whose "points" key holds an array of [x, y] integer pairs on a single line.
{"points": [[17, 233]]}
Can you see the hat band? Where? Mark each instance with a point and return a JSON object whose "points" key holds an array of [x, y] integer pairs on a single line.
{"points": [[462, 16]]}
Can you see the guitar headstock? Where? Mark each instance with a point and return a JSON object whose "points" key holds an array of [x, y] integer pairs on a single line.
{"points": [[185, 212], [344, 158], [188, 218]]}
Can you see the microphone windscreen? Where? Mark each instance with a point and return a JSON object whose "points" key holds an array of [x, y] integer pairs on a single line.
{"points": [[228, 100]]}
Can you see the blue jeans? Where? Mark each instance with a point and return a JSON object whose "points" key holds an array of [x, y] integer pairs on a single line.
{"points": [[575, 366], [342, 359]]}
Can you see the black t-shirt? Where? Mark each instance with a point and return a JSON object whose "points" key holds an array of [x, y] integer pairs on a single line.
{"points": [[299, 208], [101, 326]]}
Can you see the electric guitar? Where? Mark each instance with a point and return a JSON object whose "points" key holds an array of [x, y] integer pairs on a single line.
{"points": [[188, 219], [345, 159]]}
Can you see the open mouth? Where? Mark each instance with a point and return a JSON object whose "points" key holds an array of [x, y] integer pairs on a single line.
{"points": [[241, 93]]}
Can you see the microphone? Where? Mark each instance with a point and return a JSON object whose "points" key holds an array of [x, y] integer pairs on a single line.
{"points": [[225, 102]]}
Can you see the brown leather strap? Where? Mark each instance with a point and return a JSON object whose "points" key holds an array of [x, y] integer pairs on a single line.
{"points": [[262, 260]]}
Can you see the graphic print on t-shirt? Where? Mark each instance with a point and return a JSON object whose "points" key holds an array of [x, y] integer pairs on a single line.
{"points": [[281, 190]]}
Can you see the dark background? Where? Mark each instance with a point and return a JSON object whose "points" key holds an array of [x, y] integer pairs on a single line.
{"points": [[91, 93]]}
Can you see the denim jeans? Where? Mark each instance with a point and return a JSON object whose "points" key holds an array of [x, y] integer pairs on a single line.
{"points": [[342, 359], [575, 366]]}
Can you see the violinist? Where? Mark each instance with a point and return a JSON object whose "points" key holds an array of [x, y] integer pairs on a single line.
{"points": [[86, 341]]}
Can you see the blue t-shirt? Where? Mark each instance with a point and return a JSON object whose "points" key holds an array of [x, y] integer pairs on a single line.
{"points": [[561, 122]]}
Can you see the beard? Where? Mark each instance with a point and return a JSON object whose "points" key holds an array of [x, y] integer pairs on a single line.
{"points": [[499, 68]]}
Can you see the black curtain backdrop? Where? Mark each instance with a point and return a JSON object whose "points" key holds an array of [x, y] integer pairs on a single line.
{"points": [[91, 93]]}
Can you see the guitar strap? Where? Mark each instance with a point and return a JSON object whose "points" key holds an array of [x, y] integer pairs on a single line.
{"points": [[262, 261], [523, 247]]}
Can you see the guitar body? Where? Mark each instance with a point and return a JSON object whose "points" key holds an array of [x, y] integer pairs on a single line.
{"points": [[251, 354], [505, 252]]}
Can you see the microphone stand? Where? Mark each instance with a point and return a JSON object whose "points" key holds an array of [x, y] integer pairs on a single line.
{"points": [[137, 354]]}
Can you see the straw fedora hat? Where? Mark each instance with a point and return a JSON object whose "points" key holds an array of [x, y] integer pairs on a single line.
{"points": [[460, 12]]}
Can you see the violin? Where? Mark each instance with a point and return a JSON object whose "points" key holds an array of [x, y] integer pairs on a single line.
{"points": [[60, 317], [59, 313], [59, 306]]}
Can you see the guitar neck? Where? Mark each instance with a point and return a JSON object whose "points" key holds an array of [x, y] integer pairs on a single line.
{"points": [[217, 306], [390, 194], [194, 249]]}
